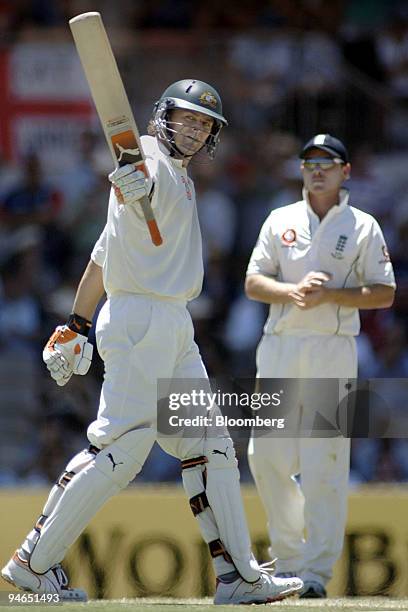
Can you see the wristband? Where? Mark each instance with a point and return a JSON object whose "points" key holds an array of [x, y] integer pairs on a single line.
{"points": [[78, 324]]}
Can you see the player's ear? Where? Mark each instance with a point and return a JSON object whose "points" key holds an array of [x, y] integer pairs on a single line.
{"points": [[151, 129], [346, 171]]}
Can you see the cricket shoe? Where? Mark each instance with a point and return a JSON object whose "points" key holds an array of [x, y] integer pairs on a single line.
{"points": [[54, 582], [265, 590]]}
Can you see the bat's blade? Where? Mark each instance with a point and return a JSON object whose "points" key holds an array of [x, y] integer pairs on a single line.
{"points": [[111, 101]]}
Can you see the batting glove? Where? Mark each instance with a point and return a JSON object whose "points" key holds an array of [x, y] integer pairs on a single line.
{"points": [[66, 353], [130, 185]]}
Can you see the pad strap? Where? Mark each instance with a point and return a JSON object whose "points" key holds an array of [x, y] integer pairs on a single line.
{"points": [[68, 475], [65, 479], [217, 550], [190, 463], [40, 522], [199, 503]]}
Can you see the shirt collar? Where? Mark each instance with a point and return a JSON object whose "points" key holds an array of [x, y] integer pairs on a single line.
{"points": [[344, 196], [176, 162]]}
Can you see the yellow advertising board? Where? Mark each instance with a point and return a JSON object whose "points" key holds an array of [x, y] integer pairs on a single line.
{"points": [[145, 541]]}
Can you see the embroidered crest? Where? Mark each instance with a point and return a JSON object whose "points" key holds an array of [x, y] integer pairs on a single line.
{"points": [[341, 243], [208, 99], [187, 187], [386, 255], [288, 237]]}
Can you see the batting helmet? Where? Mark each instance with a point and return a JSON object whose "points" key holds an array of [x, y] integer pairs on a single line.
{"points": [[191, 95]]}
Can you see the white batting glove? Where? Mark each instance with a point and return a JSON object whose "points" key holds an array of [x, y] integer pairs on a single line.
{"points": [[130, 185], [67, 353]]}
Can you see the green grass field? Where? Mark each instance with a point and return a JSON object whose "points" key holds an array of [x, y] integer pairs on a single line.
{"points": [[205, 605]]}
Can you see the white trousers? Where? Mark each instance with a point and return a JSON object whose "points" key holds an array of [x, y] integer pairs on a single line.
{"points": [[317, 508], [142, 339]]}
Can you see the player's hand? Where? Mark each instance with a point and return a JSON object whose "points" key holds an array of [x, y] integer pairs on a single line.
{"points": [[311, 291], [67, 353], [314, 296], [312, 280], [130, 185]]}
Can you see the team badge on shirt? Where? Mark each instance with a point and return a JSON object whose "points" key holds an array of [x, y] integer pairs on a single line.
{"points": [[187, 186], [338, 251], [288, 237], [386, 255]]}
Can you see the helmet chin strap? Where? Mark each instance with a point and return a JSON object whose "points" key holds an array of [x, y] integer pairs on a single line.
{"points": [[173, 150]]}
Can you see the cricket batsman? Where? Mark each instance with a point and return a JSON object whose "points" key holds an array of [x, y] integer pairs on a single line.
{"points": [[144, 333]]}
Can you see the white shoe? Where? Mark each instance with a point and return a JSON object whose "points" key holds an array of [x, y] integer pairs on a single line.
{"points": [[54, 581], [265, 590]]}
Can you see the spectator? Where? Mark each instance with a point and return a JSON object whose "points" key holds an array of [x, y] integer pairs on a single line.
{"points": [[34, 202]]}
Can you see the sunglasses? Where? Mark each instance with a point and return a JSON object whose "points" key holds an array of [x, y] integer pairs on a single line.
{"points": [[324, 163]]}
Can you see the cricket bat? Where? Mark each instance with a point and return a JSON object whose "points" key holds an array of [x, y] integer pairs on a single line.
{"points": [[111, 101]]}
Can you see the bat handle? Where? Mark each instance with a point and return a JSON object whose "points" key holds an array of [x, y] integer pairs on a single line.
{"points": [[145, 203], [151, 221]]}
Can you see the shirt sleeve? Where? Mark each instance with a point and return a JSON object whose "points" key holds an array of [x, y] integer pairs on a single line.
{"points": [[99, 251], [374, 265], [264, 259]]}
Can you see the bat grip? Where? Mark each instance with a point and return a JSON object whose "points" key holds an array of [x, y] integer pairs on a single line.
{"points": [[151, 221], [146, 204]]}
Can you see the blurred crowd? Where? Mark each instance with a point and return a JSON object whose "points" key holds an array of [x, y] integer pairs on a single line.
{"points": [[286, 69]]}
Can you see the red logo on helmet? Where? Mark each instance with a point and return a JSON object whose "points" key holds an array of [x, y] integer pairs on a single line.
{"points": [[289, 236]]}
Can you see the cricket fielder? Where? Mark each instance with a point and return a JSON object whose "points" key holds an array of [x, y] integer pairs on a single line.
{"points": [[316, 262], [144, 333]]}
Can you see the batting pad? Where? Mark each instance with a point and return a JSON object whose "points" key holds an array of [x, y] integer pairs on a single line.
{"points": [[111, 470], [76, 464], [224, 518]]}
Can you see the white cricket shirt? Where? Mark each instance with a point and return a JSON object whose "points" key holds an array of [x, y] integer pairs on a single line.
{"points": [[130, 262], [348, 243]]}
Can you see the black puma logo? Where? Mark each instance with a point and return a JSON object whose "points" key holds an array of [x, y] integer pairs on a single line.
{"points": [[127, 155], [114, 464], [218, 452]]}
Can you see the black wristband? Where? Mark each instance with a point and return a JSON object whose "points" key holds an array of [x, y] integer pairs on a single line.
{"points": [[78, 324]]}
